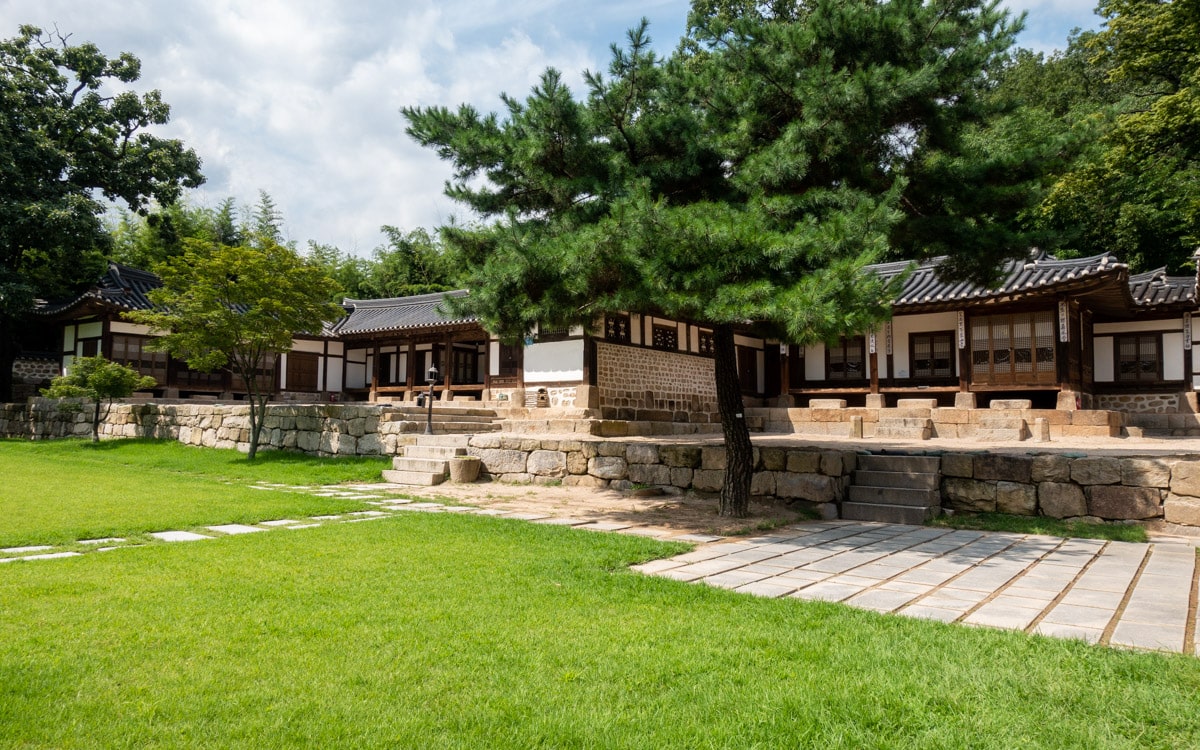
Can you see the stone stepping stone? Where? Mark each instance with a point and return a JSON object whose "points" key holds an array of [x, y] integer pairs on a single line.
{"points": [[279, 522], [305, 526], [698, 538], [368, 513], [492, 512], [234, 528], [106, 540], [458, 508], [51, 556], [326, 518], [178, 536], [24, 550], [426, 505], [565, 521], [605, 526]]}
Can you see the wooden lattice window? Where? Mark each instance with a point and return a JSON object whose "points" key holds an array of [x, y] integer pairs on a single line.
{"points": [[510, 361], [131, 351], [616, 328], [705, 340], [546, 333], [932, 354], [1016, 348], [665, 337], [846, 359], [1139, 357]]}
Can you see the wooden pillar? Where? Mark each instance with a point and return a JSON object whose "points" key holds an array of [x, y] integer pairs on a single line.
{"points": [[410, 369], [962, 342], [447, 367], [374, 396]]}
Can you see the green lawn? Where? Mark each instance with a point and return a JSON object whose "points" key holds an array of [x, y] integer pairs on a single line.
{"points": [[1120, 532], [467, 632], [55, 492]]}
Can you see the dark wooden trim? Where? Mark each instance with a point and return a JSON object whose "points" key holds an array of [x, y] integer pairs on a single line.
{"points": [[1158, 357]]}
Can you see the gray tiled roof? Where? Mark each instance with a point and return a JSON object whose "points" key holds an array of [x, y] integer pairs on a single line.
{"points": [[1157, 288], [399, 313], [1041, 271], [121, 286]]}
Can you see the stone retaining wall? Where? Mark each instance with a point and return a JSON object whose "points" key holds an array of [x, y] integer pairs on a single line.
{"points": [[1060, 486], [944, 422], [648, 385]]}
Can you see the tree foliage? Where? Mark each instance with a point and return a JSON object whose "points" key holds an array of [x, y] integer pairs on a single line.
{"points": [[237, 308], [100, 381], [748, 178], [410, 263], [71, 138]]}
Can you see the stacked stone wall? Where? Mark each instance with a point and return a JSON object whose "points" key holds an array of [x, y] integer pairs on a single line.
{"points": [[1139, 403], [1091, 488], [649, 385], [30, 375]]}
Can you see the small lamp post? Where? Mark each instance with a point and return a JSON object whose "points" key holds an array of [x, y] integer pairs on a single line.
{"points": [[431, 377]]}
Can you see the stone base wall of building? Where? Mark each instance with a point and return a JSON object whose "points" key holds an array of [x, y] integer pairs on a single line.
{"points": [[648, 385], [941, 422], [31, 374], [1140, 403]]}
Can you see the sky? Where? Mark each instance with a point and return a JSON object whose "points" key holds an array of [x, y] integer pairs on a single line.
{"points": [[302, 98]]}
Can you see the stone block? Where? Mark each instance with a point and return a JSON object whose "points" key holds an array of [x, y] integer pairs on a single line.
{"points": [[1182, 510], [706, 480], [368, 445], [958, 465], [856, 426], [1010, 404], [803, 462], [916, 403], [515, 478], [585, 480], [680, 456], [577, 463], [1050, 468], [1041, 430], [608, 467], [500, 461], [963, 400], [812, 487], [641, 454], [827, 403], [969, 494], [773, 459], [947, 415], [1016, 498], [713, 459], [1061, 500], [612, 449], [1101, 470], [547, 463], [831, 463], [1117, 502], [1185, 478], [762, 483], [1074, 430], [1092, 418], [1001, 466], [650, 474], [610, 428], [681, 477], [827, 415], [1145, 472]]}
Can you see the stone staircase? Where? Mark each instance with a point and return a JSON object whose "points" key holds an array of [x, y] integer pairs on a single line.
{"points": [[427, 462], [448, 419], [894, 489]]}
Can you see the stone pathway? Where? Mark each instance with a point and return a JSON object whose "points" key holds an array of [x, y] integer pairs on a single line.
{"points": [[1112, 593]]}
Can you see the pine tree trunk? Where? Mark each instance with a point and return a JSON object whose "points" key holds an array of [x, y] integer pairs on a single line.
{"points": [[739, 453]]}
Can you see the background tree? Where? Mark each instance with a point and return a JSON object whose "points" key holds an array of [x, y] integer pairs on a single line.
{"points": [[101, 382], [237, 308], [66, 146], [748, 179]]}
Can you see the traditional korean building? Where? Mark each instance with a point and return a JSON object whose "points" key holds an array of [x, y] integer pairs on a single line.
{"points": [[1062, 333]]}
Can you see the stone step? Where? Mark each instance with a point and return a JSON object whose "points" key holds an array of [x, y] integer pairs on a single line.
{"points": [[906, 464], [1000, 434], [906, 428], [444, 441], [420, 478], [446, 428], [888, 513], [439, 409], [906, 496], [421, 465], [910, 479], [440, 452]]}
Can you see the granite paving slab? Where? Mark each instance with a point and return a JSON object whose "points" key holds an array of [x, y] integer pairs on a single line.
{"points": [[235, 528], [178, 536]]}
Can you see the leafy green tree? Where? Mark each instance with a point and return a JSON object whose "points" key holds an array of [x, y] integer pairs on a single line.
{"points": [[748, 179], [237, 308], [100, 381], [67, 145]]}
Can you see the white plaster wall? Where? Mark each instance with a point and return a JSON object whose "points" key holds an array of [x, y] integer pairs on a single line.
{"points": [[1172, 351], [1138, 325], [69, 339], [336, 348], [906, 325], [880, 350], [494, 358], [91, 330], [814, 362], [1102, 348], [356, 375], [334, 370], [120, 326], [312, 347], [554, 361]]}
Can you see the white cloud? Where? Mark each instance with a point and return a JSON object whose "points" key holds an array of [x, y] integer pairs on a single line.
{"points": [[301, 98]]}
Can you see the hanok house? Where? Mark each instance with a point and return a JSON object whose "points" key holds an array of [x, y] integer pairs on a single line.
{"points": [[1070, 334], [1073, 333], [91, 325]]}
